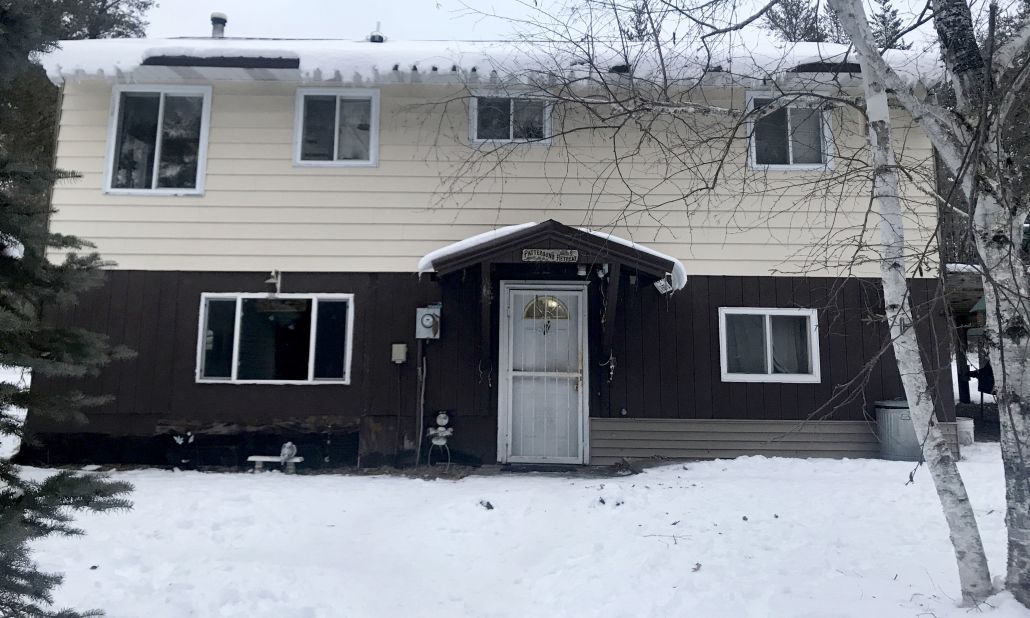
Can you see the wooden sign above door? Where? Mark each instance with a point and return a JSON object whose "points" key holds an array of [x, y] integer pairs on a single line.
{"points": [[564, 256]]}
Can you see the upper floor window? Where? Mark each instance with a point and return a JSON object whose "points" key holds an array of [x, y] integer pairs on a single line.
{"points": [[275, 338], [792, 136], [769, 345], [337, 127], [510, 119], [158, 139]]}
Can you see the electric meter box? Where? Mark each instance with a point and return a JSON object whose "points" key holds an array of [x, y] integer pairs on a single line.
{"points": [[427, 322]]}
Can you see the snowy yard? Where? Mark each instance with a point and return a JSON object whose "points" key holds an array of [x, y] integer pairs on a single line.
{"points": [[752, 537]]}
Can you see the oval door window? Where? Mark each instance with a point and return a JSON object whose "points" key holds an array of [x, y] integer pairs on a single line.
{"points": [[546, 308]]}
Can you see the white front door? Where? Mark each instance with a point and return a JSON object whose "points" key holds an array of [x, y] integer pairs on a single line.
{"points": [[542, 416]]}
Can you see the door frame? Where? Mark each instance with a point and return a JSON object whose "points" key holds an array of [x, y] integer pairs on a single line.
{"points": [[504, 418]]}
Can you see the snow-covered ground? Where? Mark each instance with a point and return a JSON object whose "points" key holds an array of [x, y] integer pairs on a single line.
{"points": [[747, 538]]}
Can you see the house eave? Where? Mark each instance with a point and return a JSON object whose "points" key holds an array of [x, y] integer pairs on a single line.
{"points": [[592, 248]]}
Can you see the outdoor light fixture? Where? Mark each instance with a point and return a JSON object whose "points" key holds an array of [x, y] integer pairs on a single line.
{"points": [[581, 270], [275, 278]]}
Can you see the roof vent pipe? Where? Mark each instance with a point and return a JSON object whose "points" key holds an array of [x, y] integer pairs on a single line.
{"points": [[218, 21], [376, 36]]}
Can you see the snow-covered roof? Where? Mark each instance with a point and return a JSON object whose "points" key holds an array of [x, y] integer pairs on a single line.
{"points": [[318, 60], [678, 274], [363, 62]]}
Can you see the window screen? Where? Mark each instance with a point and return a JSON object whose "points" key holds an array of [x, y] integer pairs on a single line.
{"points": [[790, 345], [180, 142], [355, 127], [528, 118], [806, 135]]}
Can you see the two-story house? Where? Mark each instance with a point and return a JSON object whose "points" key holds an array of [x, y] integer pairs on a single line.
{"points": [[306, 249]]}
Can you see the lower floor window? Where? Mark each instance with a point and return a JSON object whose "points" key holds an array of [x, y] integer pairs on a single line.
{"points": [[277, 338], [769, 345]]}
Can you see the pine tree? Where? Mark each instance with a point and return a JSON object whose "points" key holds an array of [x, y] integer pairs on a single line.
{"points": [[832, 27], [104, 19], [887, 27], [795, 21], [638, 27], [33, 288], [1009, 19]]}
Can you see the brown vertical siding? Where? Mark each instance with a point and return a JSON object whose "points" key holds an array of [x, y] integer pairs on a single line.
{"points": [[850, 337], [666, 351]]}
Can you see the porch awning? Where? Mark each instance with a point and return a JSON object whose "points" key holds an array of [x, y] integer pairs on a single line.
{"points": [[509, 245]]}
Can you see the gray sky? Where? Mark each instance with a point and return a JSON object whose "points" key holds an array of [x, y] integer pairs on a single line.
{"points": [[355, 19], [340, 19]]}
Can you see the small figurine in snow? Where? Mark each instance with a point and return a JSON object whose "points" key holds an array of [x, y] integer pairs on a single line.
{"points": [[288, 452], [440, 433]]}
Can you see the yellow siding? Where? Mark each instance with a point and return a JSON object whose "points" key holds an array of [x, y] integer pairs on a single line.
{"points": [[259, 212]]}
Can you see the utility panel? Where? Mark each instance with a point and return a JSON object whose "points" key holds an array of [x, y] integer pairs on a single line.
{"points": [[427, 322]]}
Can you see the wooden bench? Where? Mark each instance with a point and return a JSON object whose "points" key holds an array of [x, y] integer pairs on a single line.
{"points": [[259, 462]]}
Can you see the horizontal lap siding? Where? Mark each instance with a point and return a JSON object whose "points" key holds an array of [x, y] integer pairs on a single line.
{"points": [[614, 439], [259, 211]]}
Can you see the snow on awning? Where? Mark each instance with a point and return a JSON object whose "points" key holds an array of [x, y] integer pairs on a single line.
{"points": [[465, 252], [425, 265], [679, 272]]}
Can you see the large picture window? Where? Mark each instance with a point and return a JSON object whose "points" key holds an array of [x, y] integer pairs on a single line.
{"points": [[158, 139], [275, 338], [510, 119], [769, 345], [791, 136], [337, 127]]}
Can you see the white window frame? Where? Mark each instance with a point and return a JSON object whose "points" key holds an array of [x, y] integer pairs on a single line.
{"points": [[813, 346], [112, 137], [752, 153], [474, 117], [361, 94], [239, 297]]}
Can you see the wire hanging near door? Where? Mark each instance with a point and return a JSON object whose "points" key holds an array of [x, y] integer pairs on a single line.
{"points": [[610, 364]]}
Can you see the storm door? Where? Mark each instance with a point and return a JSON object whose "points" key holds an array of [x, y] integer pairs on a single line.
{"points": [[543, 400]]}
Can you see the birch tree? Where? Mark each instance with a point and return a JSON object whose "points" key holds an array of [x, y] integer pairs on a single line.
{"points": [[974, 574], [982, 140]]}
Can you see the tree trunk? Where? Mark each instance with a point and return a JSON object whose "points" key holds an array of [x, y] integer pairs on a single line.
{"points": [[965, 536], [974, 574], [1007, 290], [954, 26]]}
